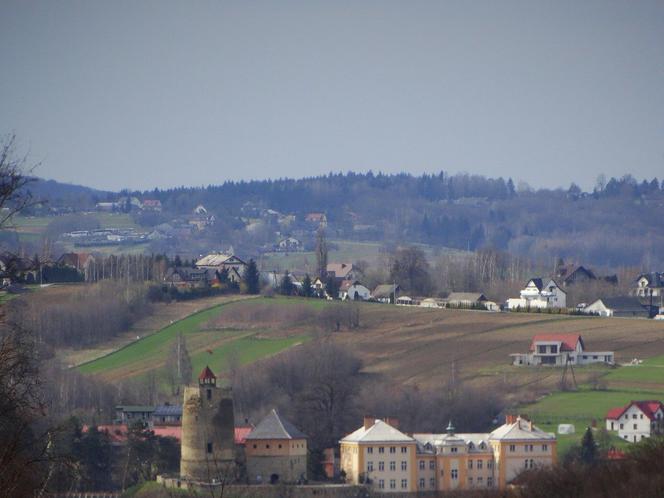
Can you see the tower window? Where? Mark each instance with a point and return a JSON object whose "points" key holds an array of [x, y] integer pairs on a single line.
{"points": [[209, 447], [209, 394]]}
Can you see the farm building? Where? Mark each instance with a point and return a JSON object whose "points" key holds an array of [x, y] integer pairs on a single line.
{"points": [[637, 420], [353, 290], [466, 300], [558, 349], [622, 306]]}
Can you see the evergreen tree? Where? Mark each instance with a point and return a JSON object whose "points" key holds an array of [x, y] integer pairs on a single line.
{"points": [[588, 447], [177, 261], [332, 287], [286, 288], [251, 278], [306, 286], [179, 363]]}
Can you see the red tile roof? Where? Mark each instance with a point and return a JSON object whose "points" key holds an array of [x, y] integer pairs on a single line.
{"points": [[118, 433], [648, 407], [568, 341], [206, 373]]}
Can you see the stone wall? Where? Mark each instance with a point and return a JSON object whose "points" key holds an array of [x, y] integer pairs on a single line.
{"points": [[287, 468]]}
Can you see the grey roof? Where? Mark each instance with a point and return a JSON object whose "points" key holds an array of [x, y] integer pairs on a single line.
{"points": [[385, 290], [273, 426], [379, 432], [622, 303], [168, 411], [466, 296], [537, 281]]}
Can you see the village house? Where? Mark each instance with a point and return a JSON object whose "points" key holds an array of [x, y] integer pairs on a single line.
{"points": [[559, 349], [317, 219], [620, 306], [130, 414], [637, 420], [276, 451], [289, 244], [353, 290], [391, 461], [386, 293], [151, 205], [341, 271], [167, 415], [183, 277], [219, 261], [648, 284], [539, 294]]}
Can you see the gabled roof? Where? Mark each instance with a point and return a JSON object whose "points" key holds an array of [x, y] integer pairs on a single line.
{"points": [[347, 284], [655, 279], [206, 373], [519, 430], [567, 341], [537, 282], [466, 296], [385, 290], [168, 411], [273, 426], [622, 303], [340, 270], [648, 408], [378, 432], [567, 272]]}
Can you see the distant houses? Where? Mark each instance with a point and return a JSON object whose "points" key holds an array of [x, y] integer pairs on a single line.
{"points": [[466, 300], [636, 420], [575, 274], [386, 293], [559, 349], [341, 271], [539, 294], [219, 261], [650, 284], [353, 290]]}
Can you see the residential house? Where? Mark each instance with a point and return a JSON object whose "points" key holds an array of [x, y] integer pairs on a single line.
{"points": [[559, 349], [636, 420], [341, 271], [317, 219], [183, 277], [572, 274], [620, 306], [466, 300], [276, 451], [83, 262], [14, 268], [220, 261], [650, 284], [152, 205], [386, 293], [353, 290], [430, 302], [538, 293], [391, 461], [289, 244]]}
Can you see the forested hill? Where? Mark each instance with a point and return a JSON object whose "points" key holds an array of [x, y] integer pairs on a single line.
{"points": [[621, 222]]}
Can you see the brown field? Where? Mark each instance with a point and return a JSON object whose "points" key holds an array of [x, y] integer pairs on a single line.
{"points": [[420, 346]]}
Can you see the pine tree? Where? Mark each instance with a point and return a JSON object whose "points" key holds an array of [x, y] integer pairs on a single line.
{"points": [[588, 447], [251, 278], [306, 286], [177, 261], [286, 288]]}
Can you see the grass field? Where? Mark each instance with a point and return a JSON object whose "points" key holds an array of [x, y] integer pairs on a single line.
{"points": [[207, 345]]}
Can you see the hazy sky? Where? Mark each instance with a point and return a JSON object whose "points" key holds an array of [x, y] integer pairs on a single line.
{"points": [[141, 94]]}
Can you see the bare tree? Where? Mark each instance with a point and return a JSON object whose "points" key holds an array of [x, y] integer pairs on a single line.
{"points": [[13, 181]]}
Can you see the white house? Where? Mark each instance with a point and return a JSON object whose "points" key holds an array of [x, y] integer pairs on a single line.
{"points": [[289, 244], [637, 420], [220, 261], [648, 283], [353, 290], [554, 349], [538, 294], [621, 306]]}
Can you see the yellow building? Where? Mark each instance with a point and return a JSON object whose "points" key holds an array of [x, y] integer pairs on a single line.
{"points": [[442, 462]]}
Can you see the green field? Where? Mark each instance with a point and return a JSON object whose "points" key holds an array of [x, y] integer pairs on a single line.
{"points": [[106, 220], [207, 345]]}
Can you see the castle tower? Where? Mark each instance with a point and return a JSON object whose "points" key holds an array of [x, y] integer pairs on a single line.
{"points": [[208, 426]]}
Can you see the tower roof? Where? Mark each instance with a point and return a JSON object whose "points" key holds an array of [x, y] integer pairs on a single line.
{"points": [[274, 426], [206, 374]]}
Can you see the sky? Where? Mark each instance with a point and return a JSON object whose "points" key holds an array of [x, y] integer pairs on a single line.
{"points": [[143, 94]]}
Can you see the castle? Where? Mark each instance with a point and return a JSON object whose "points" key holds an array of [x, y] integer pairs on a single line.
{"points": [[208, 448]]}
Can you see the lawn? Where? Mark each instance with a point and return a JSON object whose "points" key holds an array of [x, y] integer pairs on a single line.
{"points": [[650, 371]]}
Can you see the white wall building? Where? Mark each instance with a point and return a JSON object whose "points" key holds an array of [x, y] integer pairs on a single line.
{"points": [[555, 349], [637, 420], [353, 291], [540, 294]]}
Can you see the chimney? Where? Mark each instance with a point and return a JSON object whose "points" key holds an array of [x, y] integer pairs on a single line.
{"points": [[510, 419], [368, 422], [393, 421]]}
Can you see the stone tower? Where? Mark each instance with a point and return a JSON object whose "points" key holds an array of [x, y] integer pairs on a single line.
{"points": [[208, 428]]}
